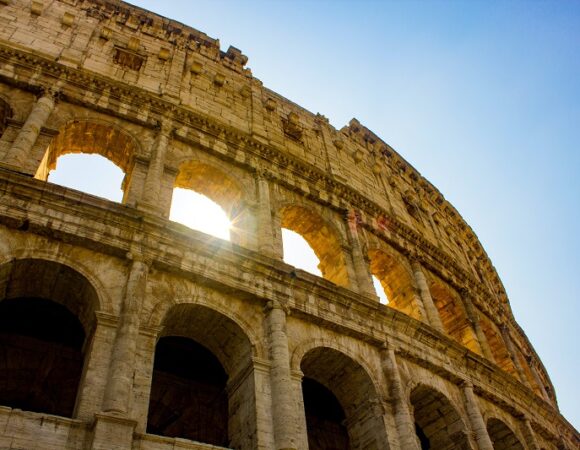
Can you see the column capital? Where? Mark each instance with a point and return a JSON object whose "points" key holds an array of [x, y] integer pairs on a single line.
{"points": [[276, 305], [137, 256], [52, 92], [165, 126], [465, 292], [466, 384]]}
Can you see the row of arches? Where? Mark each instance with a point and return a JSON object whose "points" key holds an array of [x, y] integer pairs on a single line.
{"points": [[323, 237], [197, 388]]}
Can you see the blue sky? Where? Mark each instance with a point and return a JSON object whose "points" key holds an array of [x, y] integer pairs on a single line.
{"points": [[483, 98]]}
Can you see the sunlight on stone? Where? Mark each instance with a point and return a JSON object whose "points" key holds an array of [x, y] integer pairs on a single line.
{"points": [[200, 213], [92, 174], [380, 291], [298, 253]]}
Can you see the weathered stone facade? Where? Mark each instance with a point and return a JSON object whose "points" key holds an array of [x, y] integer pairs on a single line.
{"points": [[120, 329]]}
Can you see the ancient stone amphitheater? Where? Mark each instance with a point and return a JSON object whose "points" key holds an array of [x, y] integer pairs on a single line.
{"points": [[120, 329]]}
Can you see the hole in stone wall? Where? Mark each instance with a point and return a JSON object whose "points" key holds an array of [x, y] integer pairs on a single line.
{"points": [[41, 356], [92, 174], [452, 313], [188, 393], [322, 237], [391, 278], [502, 437], [324, 418], [200, 213], [298, 253], [87, 153], [380, 291], [423, 439], [438, 424]]}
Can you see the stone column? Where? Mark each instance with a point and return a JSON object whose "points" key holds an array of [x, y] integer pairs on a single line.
{"points": [[284, 407], [361, 267], [266, 240], [154, 177], [94, 378], [475, 418], [404, 421], [120, 380], [473, 318], [430, 310], [513, 355], [28, 134], [538, 379], [528, 434]]}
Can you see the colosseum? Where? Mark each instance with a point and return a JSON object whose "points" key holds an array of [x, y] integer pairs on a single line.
{"points": [[121, 329]]}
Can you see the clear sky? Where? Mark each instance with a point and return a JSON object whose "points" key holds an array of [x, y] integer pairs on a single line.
{"points": [[483, 98]]}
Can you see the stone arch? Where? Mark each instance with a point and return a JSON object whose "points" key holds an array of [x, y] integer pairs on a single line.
{"points": [[361, 421], [437, 421], [199, 380], [47, 313], [502, 437], [5, 114], [43, 278], [92, 136], [452, 313], [303, 348], [322, 236], [38, 252], [497, 346], [396, 278], [211, 181], [205, 298]]}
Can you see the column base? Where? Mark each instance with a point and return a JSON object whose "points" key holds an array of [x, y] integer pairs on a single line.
{"points": [[112, 432]]}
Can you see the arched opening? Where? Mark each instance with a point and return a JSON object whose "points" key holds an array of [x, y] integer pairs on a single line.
{"points": [[321, 238], [341, 403], [200, 353], [198, 212], [188, 396], [46, 312], [105, 178], [438, 425], [395, 281], [497, 346], [502, 437], [208, 200], [5, 114], [380, 290], [453, 315], [325, 419], [92, 157], [298, 253]]}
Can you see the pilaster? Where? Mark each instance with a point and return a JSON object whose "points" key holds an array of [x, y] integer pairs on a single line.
{"points": [[360, 264], [121, 372], [473, 318], [154, 178], [21, 148], [475, 418], [403, 419], [429, 306], [284, 407]]}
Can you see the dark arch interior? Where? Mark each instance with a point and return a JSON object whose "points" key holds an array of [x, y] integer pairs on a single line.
{"points": [[41, 356], [324, 418], [502, 437], [437, 423], [423, 439], [188, 393]]}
